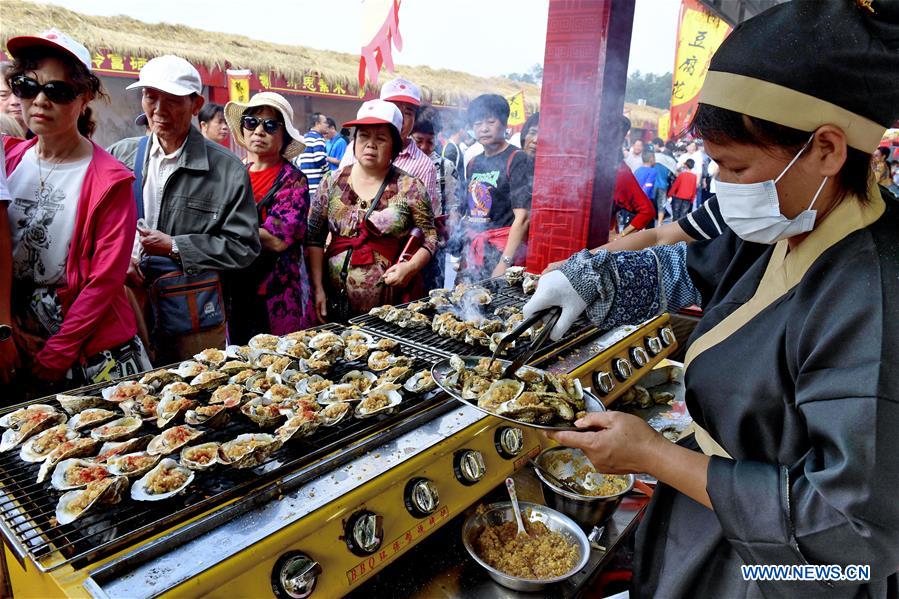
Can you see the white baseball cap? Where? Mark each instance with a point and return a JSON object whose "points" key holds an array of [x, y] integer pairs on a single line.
{"points": [[171, 74], [401, 90], [377, 112], [52, 38]]}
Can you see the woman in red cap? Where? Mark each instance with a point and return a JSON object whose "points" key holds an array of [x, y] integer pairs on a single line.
{"points": [[72, 219]]}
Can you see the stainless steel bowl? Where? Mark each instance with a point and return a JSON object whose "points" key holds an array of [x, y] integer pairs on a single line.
{"points": [[588, 511], [498, 513]]}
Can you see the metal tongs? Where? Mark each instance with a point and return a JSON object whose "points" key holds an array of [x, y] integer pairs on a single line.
{"points": [[551, 315]]}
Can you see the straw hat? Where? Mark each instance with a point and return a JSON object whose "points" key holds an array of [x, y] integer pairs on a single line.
{"points": [[234, 110]]}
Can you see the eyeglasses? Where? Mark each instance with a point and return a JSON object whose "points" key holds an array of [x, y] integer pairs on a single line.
{"points": [[270, 126], [58, 92]]}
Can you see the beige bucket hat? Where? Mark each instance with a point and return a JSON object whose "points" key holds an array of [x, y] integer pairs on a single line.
{"points": [[234, 110]]}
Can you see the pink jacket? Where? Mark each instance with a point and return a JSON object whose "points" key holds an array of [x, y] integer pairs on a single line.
{"points": [[96, 312]]}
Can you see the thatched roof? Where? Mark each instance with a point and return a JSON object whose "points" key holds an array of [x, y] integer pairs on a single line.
{"points": [[125, 35], [643, 117]]}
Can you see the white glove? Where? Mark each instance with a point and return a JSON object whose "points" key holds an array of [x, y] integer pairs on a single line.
{"points": [[554, 289]]}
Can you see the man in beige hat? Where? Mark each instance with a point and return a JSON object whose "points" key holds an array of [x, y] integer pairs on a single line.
{"points": [[195, 204]]}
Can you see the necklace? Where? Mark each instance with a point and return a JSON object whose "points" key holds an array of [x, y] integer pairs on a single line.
{"points": [[40, 171]]}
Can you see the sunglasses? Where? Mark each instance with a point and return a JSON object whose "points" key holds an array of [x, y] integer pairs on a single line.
{"points": [[270, 126], [58, 92]]}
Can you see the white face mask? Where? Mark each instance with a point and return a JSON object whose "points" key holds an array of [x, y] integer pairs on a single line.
{"points": [[752, 210]]}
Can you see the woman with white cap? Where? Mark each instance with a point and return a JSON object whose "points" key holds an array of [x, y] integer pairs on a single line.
{"points": [[273, 295], [72, 223], [370, 208]]}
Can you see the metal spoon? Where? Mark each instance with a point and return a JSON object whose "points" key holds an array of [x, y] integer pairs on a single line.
{"points": [[510, 486], [571, 488]]}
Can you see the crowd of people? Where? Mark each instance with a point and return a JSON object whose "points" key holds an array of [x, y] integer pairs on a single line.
{"points": [[167, 243]]}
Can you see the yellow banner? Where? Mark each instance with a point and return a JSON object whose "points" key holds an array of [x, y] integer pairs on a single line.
{"points": [[665, 126], [516, 109], [238, 85], [699, 35]]}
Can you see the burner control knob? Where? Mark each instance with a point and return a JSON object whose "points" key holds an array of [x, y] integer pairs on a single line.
{"points": [[509, 441], [469, 466], [623, 369], [421, 497], [639, 357], [653, 345], [667, 336], [603, 382], [295, 575], [364, 532]]}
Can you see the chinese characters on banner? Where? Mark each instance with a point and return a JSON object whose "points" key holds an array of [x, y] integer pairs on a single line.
{"points": [[516, 109], [238, 85], [698, 36]]}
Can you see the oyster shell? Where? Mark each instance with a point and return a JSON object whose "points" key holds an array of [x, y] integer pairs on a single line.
{"points": [[166, 479], [514, 275], [34, 423], [262, 382], [232, 367], [264, 341], [475, 386], [395, 374], [211, 357], [91, 417], [495, 340], [387, 345], [69, 449], [238, 352], [262, 359], [263, 411], [230, 395], [292, 348], [209, 380], [125, 390], [477, 296], [326, 340], [529, 283], [157, 379], [143, 407], [73, 404], [503, 390], [440, 292], [313, 385], [420, 382], [132, 464], [377, 402], [335, 413], [299, 425], [111, 449], [477, 337], [38, 447], [355, 336], [248, 450], [242, 377], [75, 473], [189, 369], [200, 457], [380, 360], [439, 303], [181, 389], [279, 393], [279, 365], [292, 377], [17, 418], [356, 351], [74, 504], [380, 311], [171, 407], [172, 439], [214, 416], [117, 429], [362, 380], [418, 306], [343, 392]]}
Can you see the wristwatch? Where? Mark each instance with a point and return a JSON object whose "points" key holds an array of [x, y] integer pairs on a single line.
{"points": [[5, 332], [507, 260], [174, 254]]}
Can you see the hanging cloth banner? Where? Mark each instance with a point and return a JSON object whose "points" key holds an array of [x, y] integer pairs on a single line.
{"points": [[380, 34], [238, 85], [516, 109], [664, 127], [698, 36]]}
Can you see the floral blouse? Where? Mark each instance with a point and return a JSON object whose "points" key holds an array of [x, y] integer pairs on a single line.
{"points": [[336, 209]]}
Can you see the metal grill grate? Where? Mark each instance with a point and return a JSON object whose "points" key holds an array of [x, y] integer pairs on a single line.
{"points": [[27, 508], [503, 295]]}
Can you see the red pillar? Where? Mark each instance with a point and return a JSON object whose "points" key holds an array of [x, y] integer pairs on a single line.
{"points": [[584, 74]]}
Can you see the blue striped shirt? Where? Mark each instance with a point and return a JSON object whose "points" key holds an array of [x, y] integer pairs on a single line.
{"points": [[313, 161]]}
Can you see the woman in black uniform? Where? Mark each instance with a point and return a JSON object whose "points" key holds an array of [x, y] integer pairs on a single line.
{"points": [[793, 372]]}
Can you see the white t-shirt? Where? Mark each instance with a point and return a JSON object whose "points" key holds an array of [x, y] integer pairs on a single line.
{"points": [[42, 222]]}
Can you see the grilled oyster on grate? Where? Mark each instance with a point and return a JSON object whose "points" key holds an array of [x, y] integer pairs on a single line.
{"points": [[92, 417], [37, 448], [69, 449], [335, 413], [214, 416], [33, 423], [73, 404], [132, 464], [74, 504], [118, 429], [378, 401], [248, 450], [200, 457], [166, 479], [172, 439], [75, 473]]}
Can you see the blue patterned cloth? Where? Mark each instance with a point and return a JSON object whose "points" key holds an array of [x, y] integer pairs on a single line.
{"points": [[630, 287]]}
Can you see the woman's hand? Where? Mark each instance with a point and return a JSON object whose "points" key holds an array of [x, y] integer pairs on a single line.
{"points": [[619, 444], [399, 274], [500, 269], [321, 304]]}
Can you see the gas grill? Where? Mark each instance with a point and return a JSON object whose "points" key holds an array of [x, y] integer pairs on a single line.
{"points": [[292, 525]]}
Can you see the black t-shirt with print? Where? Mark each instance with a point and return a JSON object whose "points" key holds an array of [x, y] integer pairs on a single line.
{"points": [[496, 185]]}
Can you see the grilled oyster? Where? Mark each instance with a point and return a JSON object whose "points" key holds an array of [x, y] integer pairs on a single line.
{"points": [[292, 348], [232, 367], [299, 425], [292, 377], [386, 345], [262, 383], [238, 352], [377, 402], [172, 439], [34, 422], [528, 407], [356, 336], [395, 314], [477, 337], [279, 365], [73, 404], [439, 303], [262, 359], [211, 357], [214, 416], [441, 292], [395, 374], [166, 479], [413, 320], [144, 407], [477, 296], [132, 464], [506, 312], [91, 417], [490, 326], [495, 340], [125, 390], [118, 429], [110, 449], [171, 407], [356, 351], [242, 377], [263, 411], [418, 306], [475, 386], [68, 449], [264, 341], [22, 415], [379, 311], [500, 391], [189, 369], [75, 473], [335, 413], [181, 389], [200, 457], [37, 448], [343, 392], [326, 340], [279, 393], [230, 395], [74, 504], [248, 450], [313, 385], [208, 380], [514, 275], [529, 283], [420, 382], [379, 360], [361, 380]]}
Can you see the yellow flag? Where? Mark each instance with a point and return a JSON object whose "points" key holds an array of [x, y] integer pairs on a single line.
{"points": [[516, 109], [238, 85], [665, 126]]}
